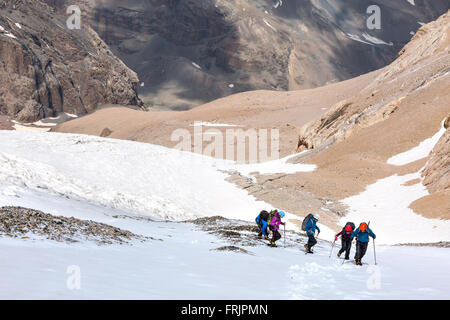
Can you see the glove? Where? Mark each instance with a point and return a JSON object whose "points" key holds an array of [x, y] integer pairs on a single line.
{"points": [[335, 238]]}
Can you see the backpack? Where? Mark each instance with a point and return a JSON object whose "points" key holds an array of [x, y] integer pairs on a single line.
{"points": [[264, 215], [271, 215], [306, 220]]}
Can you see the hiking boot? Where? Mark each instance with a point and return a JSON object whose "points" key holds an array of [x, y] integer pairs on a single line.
{"points": [[339, 254], [273, 244], [347, 258], [306, 247], [259, 237], [266, 237], [358, 262]]}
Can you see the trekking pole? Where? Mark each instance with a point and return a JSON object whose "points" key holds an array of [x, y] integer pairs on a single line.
{"points": [[332, 248], [374, 252], [284, 228]]}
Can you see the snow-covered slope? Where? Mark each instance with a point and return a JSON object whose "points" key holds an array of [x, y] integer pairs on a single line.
{"points": [[168, 184], [136, 177], [185, 265], [124, 184]]}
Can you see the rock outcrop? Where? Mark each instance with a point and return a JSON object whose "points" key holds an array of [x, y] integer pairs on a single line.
{"points": [[25, 223], [188, 52], [45, 68], [437, 171], [423, 61], [402, 107]]}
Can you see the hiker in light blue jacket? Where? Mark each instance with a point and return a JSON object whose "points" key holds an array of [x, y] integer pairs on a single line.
{"points": [[362, 240]]}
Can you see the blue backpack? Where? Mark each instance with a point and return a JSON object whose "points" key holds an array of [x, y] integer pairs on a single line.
{"points": [[306, 220]]}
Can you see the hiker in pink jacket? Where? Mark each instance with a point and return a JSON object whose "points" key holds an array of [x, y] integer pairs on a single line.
{"points": [[275, 225]]}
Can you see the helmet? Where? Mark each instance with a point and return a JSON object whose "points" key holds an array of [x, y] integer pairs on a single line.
{"points": [[363, 226], [316, 216], [348, 228], [281, 213]]}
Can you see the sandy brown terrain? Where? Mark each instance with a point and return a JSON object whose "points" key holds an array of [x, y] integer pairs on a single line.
{"points": [[436, 205], [286, 111], [5, 123]]}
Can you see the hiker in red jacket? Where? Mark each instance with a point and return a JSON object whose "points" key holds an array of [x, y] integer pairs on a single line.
{"points": [[346, 239]]}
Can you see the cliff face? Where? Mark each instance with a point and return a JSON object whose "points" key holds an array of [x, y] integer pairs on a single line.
{"points": [[45, 68], [403, 106], [188, 52], [437, 171]]}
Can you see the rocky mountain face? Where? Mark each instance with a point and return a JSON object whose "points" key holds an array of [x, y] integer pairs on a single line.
{"points": [[437, 171], [45, 68], [190, 52], [409, 100], [425, 60]]}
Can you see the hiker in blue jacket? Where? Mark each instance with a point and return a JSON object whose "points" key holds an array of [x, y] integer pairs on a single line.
{"points": [[362, 234], [262, 220], [310, 229]]}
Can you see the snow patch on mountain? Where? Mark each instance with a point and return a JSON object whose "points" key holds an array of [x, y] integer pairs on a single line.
{"points": [[357, 38], [196, 65], [386, 205], [375, 40], [368, 39], [278, 3], [419, 152], [269, 25], [281, 166]]}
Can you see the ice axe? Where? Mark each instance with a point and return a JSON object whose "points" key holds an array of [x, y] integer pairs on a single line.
{"points": [[374, 252]]}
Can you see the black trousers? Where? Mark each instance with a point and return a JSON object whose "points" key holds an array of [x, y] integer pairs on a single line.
{"points": [[311, 241], [361, 248], [346, 247], [275, 235]]}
